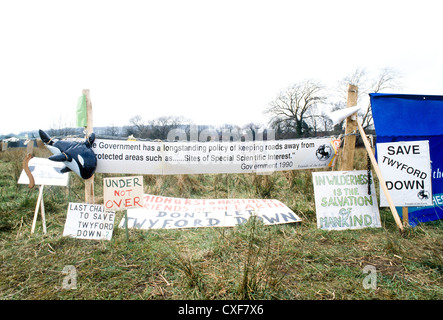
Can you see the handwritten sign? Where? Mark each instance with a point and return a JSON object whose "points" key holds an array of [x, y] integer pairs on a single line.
{"points": [[45, 172], [89, 221], [152, 157], [123, 192], [342, 200], [406, 168], [174, 213]]}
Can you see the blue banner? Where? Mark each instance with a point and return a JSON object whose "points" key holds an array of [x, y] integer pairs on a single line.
{"points": [[404, 117]]}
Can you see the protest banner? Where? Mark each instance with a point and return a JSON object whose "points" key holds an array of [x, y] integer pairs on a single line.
{"points": [[45, 172], [342, 200], [409, 117], [123, 192], [173, 213], [406, 167], [185, 157], [89, 221]]}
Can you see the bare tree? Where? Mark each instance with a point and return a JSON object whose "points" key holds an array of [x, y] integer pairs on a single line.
{"points": [[291, 107], [62, 127], [112, 130], [256, 129], [162, 125], [386, 79], [138, 127], [317, 118], [156, 128], [358, 78]]}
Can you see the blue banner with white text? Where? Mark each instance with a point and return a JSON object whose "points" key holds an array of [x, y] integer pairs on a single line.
{"points": [[405, 117]]}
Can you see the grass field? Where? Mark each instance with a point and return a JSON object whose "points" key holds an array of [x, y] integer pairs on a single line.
{"points": [[251, 261]]}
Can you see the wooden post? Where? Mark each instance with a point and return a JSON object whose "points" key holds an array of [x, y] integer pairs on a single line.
{"points": [[405, 214], [40, 205], [347, 159], [89, 183], [380, 177], [30, 147]]}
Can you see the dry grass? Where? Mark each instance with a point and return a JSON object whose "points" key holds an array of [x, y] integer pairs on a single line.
{"points": [[251, 261]]}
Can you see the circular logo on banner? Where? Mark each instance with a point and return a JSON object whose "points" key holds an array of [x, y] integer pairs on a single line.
{"points": [[324, 152], [423, 194]]}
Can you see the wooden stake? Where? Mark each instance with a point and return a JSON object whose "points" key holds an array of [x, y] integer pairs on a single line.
{"points": [[89, 115], [29, 156], [380, 177], [89, 183], [405, 214], [37, 206], [30, 147], [42, 211], [347, 159], [28, 172]]}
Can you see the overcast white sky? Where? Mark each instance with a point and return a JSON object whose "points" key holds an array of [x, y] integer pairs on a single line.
{"points": [[213, 62]]}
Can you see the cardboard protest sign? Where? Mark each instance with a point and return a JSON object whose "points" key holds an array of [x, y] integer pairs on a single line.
{"points": [[89, 221], [173, 213], [45, 172], [406, 168], [123, 192], [184, 157], [342, 200]]}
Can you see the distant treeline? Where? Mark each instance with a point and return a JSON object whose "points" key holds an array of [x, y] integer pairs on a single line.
{"points": [[160, 132]]}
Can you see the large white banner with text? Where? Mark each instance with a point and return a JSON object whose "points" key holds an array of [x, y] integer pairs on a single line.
{"points": [[184, 157], [174, 213]]}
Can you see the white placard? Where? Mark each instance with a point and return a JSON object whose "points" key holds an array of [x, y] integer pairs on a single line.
{"points": [[342, 200], [89, 221], [152, 157], [174, 213], [45, 172], [406, 168], [123, 192]]}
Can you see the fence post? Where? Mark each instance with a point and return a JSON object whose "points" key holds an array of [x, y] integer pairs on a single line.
{"points": [[89, 183], [347, 159]]}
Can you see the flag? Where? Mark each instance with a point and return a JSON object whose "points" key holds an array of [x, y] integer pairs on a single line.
{"points": [[82, 118]]}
